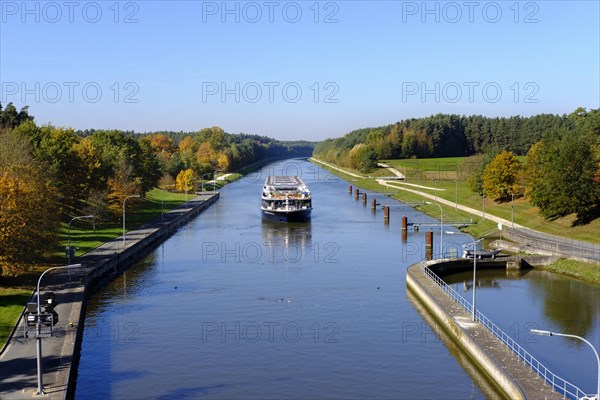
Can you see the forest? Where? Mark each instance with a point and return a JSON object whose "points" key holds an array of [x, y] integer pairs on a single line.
{"points": [[49, 173], [444, 135], [561, 175]]}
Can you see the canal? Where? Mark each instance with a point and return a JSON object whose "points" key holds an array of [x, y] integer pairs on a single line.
{"points": [[234, 307]]}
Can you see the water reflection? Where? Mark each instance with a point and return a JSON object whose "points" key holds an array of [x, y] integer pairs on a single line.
{"points": [[297, 235], [568, 303], [535, 299]]}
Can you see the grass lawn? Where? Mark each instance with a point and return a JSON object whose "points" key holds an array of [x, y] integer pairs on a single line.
{"points": [[576, 269], [440, 174], [12, 302], [18, 289], [84, 238]]}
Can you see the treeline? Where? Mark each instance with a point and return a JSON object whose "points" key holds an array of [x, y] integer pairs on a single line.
{"points": [[561, 175], [440, 135], [48, 174]]}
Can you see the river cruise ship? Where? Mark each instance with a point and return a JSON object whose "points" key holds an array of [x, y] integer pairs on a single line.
{"points": [[286, 198]]}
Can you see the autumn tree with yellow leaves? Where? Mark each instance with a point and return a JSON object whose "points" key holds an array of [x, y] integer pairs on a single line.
{"points": [[29, 212]]}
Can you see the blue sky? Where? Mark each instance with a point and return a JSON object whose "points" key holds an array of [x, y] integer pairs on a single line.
{"points": [[294, 70]]}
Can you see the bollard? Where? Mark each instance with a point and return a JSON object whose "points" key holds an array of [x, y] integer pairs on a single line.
{"points": [[356, 193], [373, 204], [350, 189], [428, 245], [404, 236], [386, 214], [404, 223], [364, 199]]}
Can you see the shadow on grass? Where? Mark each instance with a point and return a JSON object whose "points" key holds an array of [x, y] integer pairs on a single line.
{"points": [[13, 299]]}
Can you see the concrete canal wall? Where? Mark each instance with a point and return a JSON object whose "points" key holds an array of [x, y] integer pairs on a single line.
{"points": [[104, 266], [502, 367], [18, 375]]}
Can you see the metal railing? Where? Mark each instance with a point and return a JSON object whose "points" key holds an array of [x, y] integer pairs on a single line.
{"points": [[554, 244], [559, 384]]}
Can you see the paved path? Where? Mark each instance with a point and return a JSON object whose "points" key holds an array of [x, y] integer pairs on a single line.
{"points": [[532, 241], [392, 170], [395, 185], [18, 368], [535, 241], [337, 169]]}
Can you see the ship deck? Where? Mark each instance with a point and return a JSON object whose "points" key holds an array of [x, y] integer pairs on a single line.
{"points": [[284, 182]]}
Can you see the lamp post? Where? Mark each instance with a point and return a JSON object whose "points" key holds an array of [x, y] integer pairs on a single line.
{"points": [[69, 235], [69, 251], [483, 202], [202, 179], [441, 228], [474, 266], [456, 192], [40, 388], [512, 210], [128, 197], [162, 202], [548, 333], [215, 179]]}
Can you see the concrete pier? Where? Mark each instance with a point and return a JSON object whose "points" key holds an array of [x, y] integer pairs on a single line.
{"points": [[18, 372], [502, 366]]}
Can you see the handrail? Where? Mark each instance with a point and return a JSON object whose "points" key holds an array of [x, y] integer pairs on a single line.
{"points": [[559, 384]]}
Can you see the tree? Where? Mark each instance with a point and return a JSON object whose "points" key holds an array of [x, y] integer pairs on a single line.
{"points": [[121, 185], [223, 162], [363, 158], [185, 180], [10, 118], [162, 144], [501, 178], [29, 211], [561, 177], [206, 154], [90, 167], [55, 148], [476, 166]]}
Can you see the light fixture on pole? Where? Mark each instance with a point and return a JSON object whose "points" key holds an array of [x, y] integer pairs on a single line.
{"points": [[512, 209], [456, 192], [70, 251], [128, 197], [474, 267], [548, 333], [202, 180], [38, 330], [162, 201], [483, 202], [441, 228]]}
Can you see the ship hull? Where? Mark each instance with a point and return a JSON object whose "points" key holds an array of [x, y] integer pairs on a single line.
{"points": [[287, 216]]}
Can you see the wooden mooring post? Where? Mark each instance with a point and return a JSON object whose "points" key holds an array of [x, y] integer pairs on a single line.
{"points": [[428, 245]]}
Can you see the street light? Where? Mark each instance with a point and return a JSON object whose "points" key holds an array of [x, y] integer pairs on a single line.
{"points": [[162, 202], [202, 179], [512, 210], [40, 389], [128, 197], [69, 251], [548, 333], [483, 202], [456, 192], [441, 228], [69, 234], [474, 264], [215, 178]]}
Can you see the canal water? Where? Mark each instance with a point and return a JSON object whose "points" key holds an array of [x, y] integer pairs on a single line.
{"points": [[234, 307]]}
